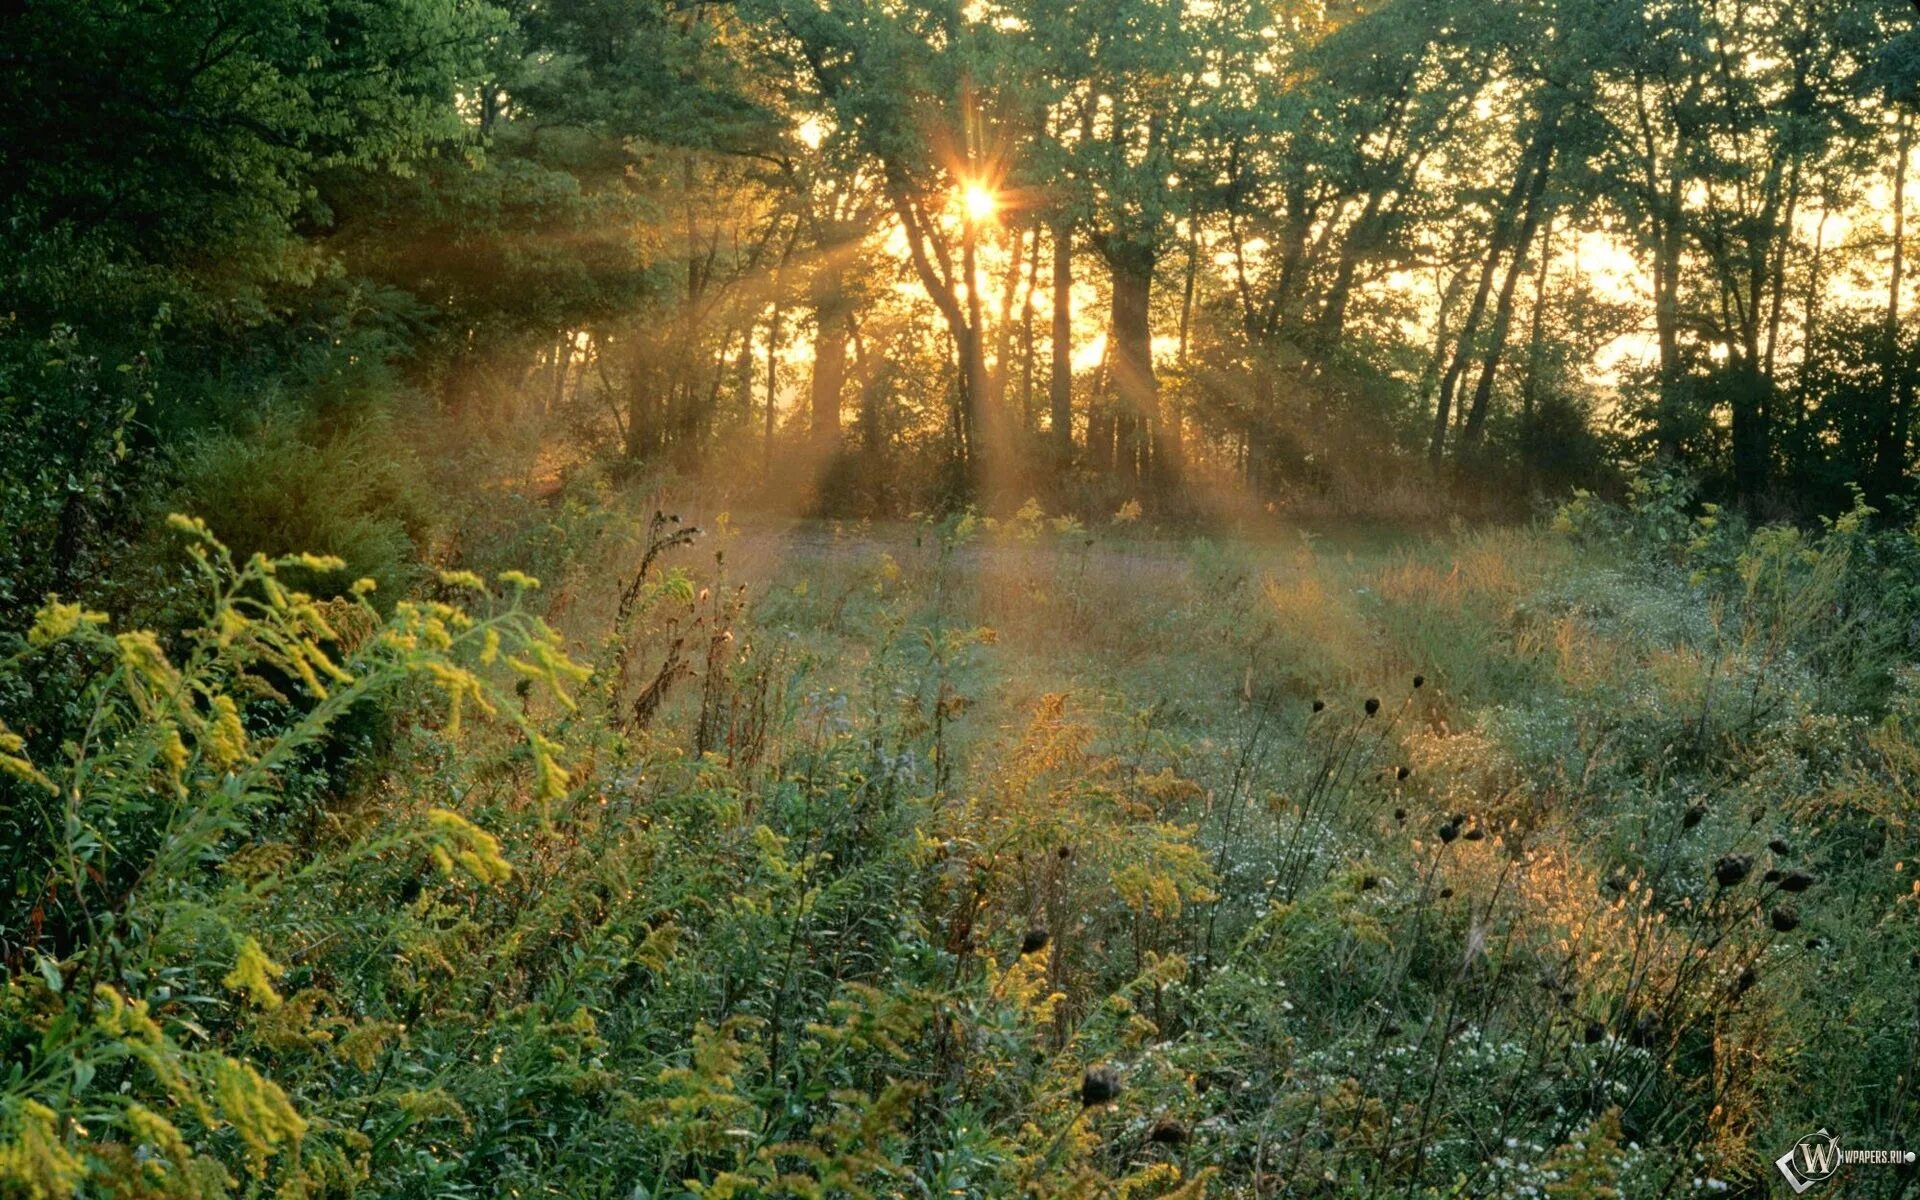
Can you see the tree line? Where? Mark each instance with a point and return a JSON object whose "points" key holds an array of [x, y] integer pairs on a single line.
{"points": [[935, 249]]}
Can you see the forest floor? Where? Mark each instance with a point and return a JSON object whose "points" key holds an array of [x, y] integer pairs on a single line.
{"points": [[1033, 858]]}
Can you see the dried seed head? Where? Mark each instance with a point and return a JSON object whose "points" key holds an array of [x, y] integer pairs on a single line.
{"points": [[1446, 893], [1065, 852], [1779, 846], [1401, 773], [1786, 918], [1400, 815], [1732, 869], [1475, 834], [1419, 681], [1034, 942], [1100, 1085], [1772, 875], [1449, 831], [1694, 815], [1372, 705], [1168, 1132], [1319, 705], [1797, 882]]}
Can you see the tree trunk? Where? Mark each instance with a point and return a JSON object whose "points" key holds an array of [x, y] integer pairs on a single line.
{"points": [[1137, 396], [1060, 382], [1533, 164], [1890, 442], [833, 315], [1474, 430]]}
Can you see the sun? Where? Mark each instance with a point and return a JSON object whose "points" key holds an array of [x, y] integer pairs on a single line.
{"points": [[979, 201]]}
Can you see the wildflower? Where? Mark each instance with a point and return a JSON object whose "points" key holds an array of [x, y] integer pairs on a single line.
{"points": [[1797, 882], [37, 1160], [1695, 814], [1168, 1132], [1100, 1085], [1034, 942], [1786, 918], [56, 620], [253, 973], [1732, 869], [1372, 705]]}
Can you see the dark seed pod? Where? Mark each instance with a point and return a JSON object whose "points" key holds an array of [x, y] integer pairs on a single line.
{"points": [[1034, 942], [1786, 918], [1780, 847], [1475, 834], [1732, 869], [1449, 831], [1319, 706], [1744, 984], [1368, 883], [1797, 882], [1772, 875], [1419, 681], [1065, 852], [1446, 893], [1373, 705], [1694, 815], [1458, 818], [1402, 772], [1400, 814], [1168, 1132], [1100, 1085], [1593, 1032]]}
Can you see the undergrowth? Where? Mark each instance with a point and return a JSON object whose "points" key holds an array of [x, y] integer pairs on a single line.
{"points": [[974, 858]]}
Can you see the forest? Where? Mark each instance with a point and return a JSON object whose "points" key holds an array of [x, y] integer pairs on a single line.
{"points": [[1125, 599]]}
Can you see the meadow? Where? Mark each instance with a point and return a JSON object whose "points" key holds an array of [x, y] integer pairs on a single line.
{"points": [[975, 857]]}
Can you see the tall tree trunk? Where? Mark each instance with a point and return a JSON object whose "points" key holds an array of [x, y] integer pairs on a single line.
{"points": [[1137, 395], [1060, 382], [834, 316], [1890, 448], [1474, 430], [1533, 164]]}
